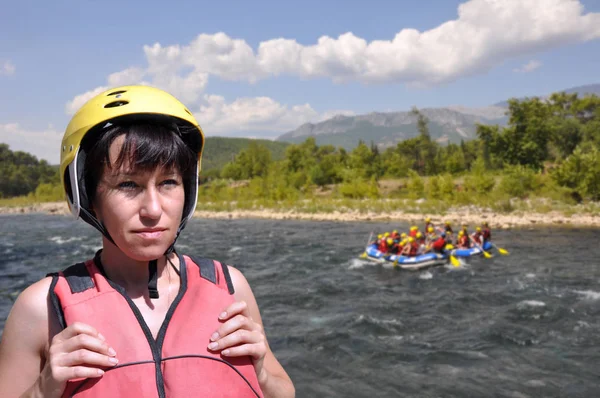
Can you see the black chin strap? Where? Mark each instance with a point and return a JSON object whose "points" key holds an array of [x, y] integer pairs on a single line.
{"points": [[153, 279]]}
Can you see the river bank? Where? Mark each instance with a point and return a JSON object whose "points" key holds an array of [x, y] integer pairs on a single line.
{"points": [[468, 214]]}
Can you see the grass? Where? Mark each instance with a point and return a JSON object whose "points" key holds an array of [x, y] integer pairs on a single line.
{"points": [[394, 196]]}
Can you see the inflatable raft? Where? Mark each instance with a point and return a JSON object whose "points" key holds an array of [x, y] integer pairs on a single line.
{"points": [[409, 263], [473, 251]]}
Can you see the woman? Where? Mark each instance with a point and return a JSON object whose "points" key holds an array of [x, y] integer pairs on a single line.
{"points": [[139, 319]]}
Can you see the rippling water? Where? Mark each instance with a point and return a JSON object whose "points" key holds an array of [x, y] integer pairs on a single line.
{"points": [[524, 325]]}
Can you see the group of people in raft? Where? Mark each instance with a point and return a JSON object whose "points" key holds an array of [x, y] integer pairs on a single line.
{"points": [[433, 239]]}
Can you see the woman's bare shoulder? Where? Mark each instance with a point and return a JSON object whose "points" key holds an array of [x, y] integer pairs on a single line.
{"points": [[31, 309], [32, 301]]}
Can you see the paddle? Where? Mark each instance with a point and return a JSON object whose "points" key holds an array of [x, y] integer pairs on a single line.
{"points": [[501, 250], [485, 254], [364, 254], [453, 259]]}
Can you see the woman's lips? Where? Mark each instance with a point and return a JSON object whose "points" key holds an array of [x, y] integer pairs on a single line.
{"points": [[150, 233]]}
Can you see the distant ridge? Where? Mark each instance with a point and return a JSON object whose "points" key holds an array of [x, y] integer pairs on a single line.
{"points": [[446, 125]]}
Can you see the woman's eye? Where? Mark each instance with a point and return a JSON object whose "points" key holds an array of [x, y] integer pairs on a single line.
{"points": [[170, 182], [127, 185]]}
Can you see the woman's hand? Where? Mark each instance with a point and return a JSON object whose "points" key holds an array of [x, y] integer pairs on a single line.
{"points": [[79, 351], [240, 336]]}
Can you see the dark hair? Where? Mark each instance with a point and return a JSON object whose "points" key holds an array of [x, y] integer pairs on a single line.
{"points": [[146, 147]]}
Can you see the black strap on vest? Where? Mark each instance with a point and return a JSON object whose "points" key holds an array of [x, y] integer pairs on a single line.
{"points": [[78, 278], [153, 279], [208, 271], [55, 302]]}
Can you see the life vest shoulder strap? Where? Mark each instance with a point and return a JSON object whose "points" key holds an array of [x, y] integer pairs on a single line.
{"points": [[215, 272], [78, 279]]}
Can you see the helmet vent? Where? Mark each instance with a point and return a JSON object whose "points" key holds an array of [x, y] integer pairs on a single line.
{"points": [[115, 104], [189, 113], [116, 92]]}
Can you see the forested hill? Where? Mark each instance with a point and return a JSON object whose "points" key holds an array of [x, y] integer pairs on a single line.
{"points": [[21, 172], [220, 150]]}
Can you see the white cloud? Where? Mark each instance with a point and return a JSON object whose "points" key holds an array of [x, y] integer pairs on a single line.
{"points": [[485, 34], [7, 68], [528, 67], [44, 144], [133, 75], [262, 114], [72, 106]]}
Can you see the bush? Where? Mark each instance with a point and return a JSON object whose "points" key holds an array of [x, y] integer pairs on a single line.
{"points": [[359, 189], [415, 185], [48, 193], [581, 172], [519, 181], [434, 187]]}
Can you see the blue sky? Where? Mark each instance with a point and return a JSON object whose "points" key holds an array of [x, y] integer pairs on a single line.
{"points": [[239, 80]]}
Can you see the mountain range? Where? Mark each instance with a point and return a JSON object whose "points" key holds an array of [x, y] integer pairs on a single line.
{"points": [[446, 125]]}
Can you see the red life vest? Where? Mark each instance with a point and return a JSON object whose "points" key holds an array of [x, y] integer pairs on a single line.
{"points": [[463, 241], [487, 234], [177, 363], [383, 247], [439, 244], [414, 247]]}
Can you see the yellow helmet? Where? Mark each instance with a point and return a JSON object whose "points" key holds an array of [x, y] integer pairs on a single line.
{"points": [[386, 234], [419, 235], [414, 228], [395, 231], [403, 235], [447, 223], [379, 236], [428, 219], [430, 229], [461, 232], [411, 239], [478, 229], [123, 104]]}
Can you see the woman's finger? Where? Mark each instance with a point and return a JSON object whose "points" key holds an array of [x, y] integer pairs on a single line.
{"points": [[78, 372], [84, 341], [238, 307], [75, 329], [86, 357], [239, 337], [256, 351], [233, 324]]}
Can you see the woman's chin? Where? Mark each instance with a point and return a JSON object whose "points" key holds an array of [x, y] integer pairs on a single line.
{"points": [[147, 253]]}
